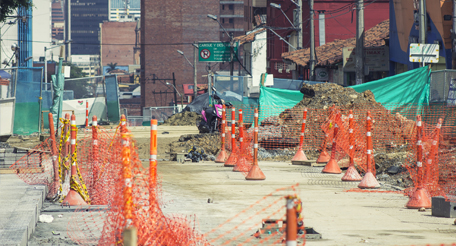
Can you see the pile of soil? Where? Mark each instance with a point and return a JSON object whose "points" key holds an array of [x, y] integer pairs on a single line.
{"points": [[279, 130], [185, 118], [209, 142]]}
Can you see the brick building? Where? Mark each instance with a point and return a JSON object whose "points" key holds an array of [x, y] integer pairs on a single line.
{"points": [[167, 26], [338, 24], [117, 43]]}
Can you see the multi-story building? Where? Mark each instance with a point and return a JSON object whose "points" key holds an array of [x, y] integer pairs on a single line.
{"points": [[124, 10], [118, 42], [58, 20], [90, 64], [332, 20], [168, 26], [86, 16]]}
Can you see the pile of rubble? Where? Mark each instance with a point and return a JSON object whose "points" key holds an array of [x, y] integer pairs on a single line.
{"points": [[185, 118]]}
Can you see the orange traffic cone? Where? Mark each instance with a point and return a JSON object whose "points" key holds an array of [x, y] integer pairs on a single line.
{"points": [[324, 157], [369, 181], [231, 161], [420, 199], [332, 166], [73, 198], [300, 155], [351, 174], [222, 156]]}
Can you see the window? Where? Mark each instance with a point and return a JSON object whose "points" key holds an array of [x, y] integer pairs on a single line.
{"points": [[231, 20], [223, 7], [223, 20], [231, 7]]}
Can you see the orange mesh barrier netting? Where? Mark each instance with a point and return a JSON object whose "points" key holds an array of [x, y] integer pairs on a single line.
{"points": [[136, 201], [262, 223]]}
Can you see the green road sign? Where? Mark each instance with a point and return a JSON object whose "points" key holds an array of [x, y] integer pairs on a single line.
{"points": [[216, 51]]}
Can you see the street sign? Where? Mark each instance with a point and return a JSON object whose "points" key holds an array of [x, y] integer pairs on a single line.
{"points": [[425, 53], [216, 51]]}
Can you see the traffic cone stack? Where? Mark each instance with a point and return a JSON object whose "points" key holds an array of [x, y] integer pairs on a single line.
{"points": [[241, 161], [73, 198], [420, 197], [255, 172], [351, 174], [300, 155], [231, 161], [324, 156], [332, 166], [222, 156], [369, 181]]}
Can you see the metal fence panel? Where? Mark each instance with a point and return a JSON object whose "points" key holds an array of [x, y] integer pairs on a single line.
{"points": [[159, 113]]}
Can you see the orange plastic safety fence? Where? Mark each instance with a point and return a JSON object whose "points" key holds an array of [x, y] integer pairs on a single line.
{"points": [[104, 225], [242, 229], [35, 166]]}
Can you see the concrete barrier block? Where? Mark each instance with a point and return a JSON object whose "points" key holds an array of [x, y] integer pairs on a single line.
{"points": [[443, 208]]}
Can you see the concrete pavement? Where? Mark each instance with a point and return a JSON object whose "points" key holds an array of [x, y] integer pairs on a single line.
{"points": [[20, 206]]}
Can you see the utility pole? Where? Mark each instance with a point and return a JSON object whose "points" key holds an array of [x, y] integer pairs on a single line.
{"points": [[232, 54], [299, 36], [453, 37], [68, 29], [195, 58], [359, 56], [312, 42], [423, 23]]}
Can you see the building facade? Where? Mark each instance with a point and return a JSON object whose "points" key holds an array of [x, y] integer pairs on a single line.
{"points": [[168, 26], [58, 20], [124, 10], [332, 20], [86, 17], [118, 43]]}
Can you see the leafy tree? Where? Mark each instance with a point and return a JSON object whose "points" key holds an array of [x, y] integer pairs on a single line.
{"points": [[112, 67], [7, 7]]}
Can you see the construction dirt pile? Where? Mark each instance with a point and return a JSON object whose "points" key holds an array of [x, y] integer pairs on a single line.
{"points": [[390, 131], [185, 118], [209, 142]]}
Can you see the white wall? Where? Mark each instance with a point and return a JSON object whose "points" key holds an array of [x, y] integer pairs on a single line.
{"points": [[41, 32], [258, 56]]}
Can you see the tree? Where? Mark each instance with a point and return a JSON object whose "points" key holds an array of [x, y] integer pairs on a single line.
{"points": [[75, 72], [8, 6], [112, 67]]}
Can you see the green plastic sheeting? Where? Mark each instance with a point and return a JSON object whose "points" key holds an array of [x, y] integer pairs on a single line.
{"points": [[274, 101], [402, 92], [58, 82]]}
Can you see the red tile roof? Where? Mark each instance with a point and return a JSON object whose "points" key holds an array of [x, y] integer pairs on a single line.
{"points": [[249, 37], [331, 53]]}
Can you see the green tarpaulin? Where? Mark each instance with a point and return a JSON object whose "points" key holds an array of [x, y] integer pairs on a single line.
{"points": [[274, 101], [400, 93]]}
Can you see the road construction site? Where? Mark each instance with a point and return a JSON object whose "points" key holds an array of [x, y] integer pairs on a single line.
{"points": [[347, 173]]}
